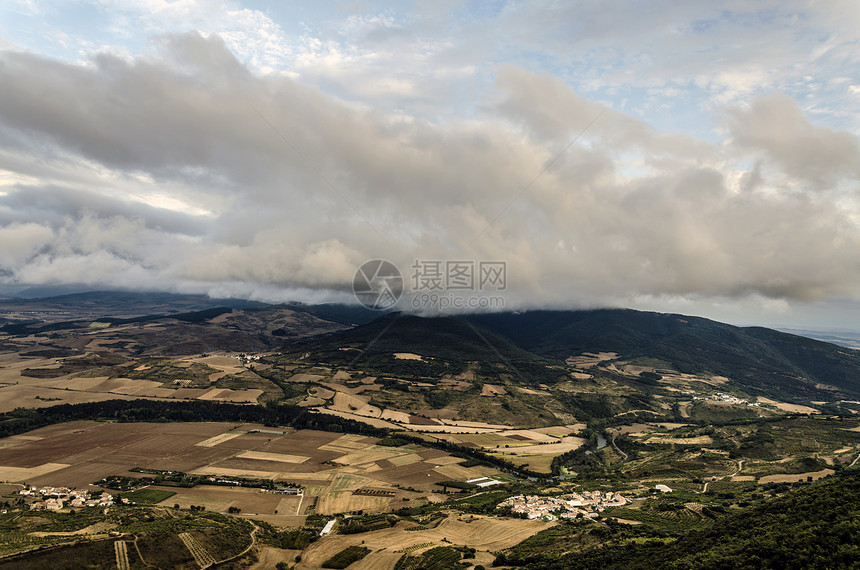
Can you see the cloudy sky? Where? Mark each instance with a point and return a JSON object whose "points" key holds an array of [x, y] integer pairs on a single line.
{"points": [[699, 157]]}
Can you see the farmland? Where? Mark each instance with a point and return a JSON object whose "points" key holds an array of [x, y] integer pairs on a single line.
{"points": [[90, 377], [126, 537], [329, 466], [484, 534], [109, 350], [217, 417]]}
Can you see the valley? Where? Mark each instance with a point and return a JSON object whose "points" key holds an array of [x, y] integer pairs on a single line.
{"points": [[408, 433]]}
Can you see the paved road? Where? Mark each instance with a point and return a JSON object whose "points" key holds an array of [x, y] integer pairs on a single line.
{"points": [[616, 448], [740, 468]]}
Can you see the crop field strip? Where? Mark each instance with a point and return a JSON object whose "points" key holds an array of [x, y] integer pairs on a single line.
{"points": [[217, 439], [200, 554], [416, 547], [279, 457], [682, 520], [121, 548]]}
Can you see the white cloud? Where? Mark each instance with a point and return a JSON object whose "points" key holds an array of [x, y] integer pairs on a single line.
{"points": [[188, 171], [210, 146], [776, 127]]}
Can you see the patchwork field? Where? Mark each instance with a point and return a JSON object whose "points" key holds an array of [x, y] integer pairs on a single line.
{"points": [[329, 466], [492, 390], [36, 382], [485, 534], [533, 448], [793, 408], [791, 478]]}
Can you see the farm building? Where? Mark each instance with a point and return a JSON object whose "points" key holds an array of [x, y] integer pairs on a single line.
{"points": [[328, 527]]}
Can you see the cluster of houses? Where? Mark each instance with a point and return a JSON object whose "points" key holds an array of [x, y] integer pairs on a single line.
{"points": [[248, 358], [56, 498], [586, 504], [721, 397]]}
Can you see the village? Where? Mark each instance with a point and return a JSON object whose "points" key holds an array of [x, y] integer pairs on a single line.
{"points": [[721, 397], [56, 498], [574, 505]]}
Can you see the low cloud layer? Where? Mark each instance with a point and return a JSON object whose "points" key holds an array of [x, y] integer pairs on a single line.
{"points": [[186, 170]]}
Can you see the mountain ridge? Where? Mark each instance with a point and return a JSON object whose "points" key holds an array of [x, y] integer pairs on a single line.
{"points": [[762, 361], [756, 357]]}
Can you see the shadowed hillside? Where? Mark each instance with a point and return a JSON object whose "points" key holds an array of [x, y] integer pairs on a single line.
{"points": [[763, 360], [443, 338]]}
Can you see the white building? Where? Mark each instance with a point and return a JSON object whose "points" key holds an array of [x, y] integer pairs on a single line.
{"points": [[328, 527]]}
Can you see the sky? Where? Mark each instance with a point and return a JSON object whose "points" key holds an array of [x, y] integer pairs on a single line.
{"points": [[700, 157]]}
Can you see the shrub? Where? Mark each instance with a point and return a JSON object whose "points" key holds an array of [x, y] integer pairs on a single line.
{"points": [[346, 557]]}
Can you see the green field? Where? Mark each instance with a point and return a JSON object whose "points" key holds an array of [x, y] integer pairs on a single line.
{"points": [[148, 496]]}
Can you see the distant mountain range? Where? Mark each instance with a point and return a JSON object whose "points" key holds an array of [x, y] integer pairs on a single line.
{"points": [[848, 339], [763, 361]]}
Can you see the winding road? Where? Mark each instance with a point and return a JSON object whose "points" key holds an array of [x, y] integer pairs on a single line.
{"points": [[740, 468], [616, 447], [250, 546]]}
